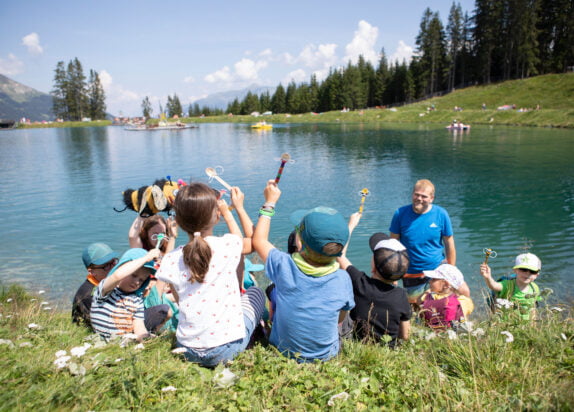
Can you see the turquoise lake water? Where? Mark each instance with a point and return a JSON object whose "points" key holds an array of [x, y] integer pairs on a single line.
{"points": [[509, 189]]}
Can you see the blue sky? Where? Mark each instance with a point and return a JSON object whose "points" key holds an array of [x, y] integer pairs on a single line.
{"points": [[192, 48]]}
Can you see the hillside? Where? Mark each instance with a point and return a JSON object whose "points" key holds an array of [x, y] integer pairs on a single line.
{"points": [[18, 100], [554, 93]]}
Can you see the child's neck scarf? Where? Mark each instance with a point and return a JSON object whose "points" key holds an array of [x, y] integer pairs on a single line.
{"points": [[311, 270], [92, 279]]}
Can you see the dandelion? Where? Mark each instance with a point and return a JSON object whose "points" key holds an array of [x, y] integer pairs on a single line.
{"points": [[33, 326], [41, 292], [169, 389], [61, 353], [225, 378], [25, 345], [9, 300], [179, 350], [509, 337], [62, 361], [343, 396]]}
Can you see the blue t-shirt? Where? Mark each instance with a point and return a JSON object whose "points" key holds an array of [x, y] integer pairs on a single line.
{"points": [[307, 308], [422, 235]]}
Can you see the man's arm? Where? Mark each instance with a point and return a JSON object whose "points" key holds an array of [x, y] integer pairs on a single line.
{"points": [[449, 249]]}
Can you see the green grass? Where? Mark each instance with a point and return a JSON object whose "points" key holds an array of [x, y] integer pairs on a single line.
{"points": [[534, 372], [93, 123]]}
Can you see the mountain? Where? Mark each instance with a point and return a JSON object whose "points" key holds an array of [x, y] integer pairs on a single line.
{"points": [[18, 100], [222, 99]]}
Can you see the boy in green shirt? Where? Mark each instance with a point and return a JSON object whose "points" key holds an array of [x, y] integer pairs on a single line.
{"points": [[520, 290]]}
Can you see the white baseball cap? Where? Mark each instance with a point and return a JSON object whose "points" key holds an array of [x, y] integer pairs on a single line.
{"points": [[527, 261], [447, 272]]}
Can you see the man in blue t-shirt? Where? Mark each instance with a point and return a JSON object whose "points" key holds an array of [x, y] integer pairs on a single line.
{"points": [[425, 230]]}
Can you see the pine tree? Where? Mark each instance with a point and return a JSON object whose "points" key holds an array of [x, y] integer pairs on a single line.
{"points": [[431, 51], [381, 80], [147, 110], [96, 97], [278, 100], [454, 30], [59, 91], [76, 91]]}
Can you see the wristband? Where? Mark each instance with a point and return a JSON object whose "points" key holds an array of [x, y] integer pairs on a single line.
{"points": [[269, 204], [265, 212]]}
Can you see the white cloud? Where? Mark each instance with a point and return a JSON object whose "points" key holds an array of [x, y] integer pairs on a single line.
{"points": [[119, 99], [247, 69], [32, 42], [266, 53], [220, 75], [189, 79], [363, 43], [11, 66], [105, 80], [321, 56], [297, 76], [403, 52]]}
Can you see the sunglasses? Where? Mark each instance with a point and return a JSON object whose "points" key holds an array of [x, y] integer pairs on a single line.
{"points": [[107, 266], [532, 272]]}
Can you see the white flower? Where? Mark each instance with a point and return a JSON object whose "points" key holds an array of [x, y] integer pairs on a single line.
{"points": [[44, 303], [225, 378], [79, 351], [62, 361], [61, 353], [563, 336], [364, 380], [556, 309], [41, 292], [478, 332], [47, 308], [509, 337], [179, 350], [430, 336], [503, 304], [7, 342], [9, 300], [127, 338], [118, 360], [451, 334], [139, 346], [32, 326], [33, 300], [343, 395], [25, 345], [169, 389]]}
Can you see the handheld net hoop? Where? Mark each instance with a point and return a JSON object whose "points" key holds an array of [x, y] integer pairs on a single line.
{"points": [[159, 237], [363, 193], [488, 253], [214, 174], [285, 157]]}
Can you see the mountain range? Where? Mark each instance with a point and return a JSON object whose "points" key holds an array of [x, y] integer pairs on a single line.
{"points": [[18, 100], [222, 99]]}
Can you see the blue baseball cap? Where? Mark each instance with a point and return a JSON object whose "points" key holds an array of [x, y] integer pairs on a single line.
{"points": [[98, 254], [320, 226], [132, 254]]}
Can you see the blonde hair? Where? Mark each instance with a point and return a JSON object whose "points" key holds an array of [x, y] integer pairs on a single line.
{"points": [[424, 184]]}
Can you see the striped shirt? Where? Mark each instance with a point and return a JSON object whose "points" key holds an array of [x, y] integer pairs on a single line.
{"points": [[115, 313]]}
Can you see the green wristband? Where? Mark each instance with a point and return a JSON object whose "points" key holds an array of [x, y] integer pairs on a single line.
{"points": [[268, 213]]}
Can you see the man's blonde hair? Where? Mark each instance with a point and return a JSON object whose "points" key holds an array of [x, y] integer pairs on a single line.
{"points": [[423, 184]]}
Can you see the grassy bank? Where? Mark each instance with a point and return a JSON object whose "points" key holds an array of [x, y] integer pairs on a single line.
{"points": [[482, 372], [93, 123]]}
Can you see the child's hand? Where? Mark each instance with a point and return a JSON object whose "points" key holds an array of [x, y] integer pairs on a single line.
{"points": [[153, 254], [272, 192], [354, 221], [222, 206], [485, 271], [237, 197], [171, 227]]}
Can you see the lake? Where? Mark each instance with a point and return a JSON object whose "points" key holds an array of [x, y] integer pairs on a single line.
{"points": [[509, 189]]}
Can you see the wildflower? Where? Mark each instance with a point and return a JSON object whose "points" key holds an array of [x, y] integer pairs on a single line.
{"points": [[25, 345], [32, 326], [563, 336], [431, 335], [451, 334], [127, 338], [503, 304], [47, 308], [509, 337], [556, 309], [478, 332], [9, 300], [139, 346], [169, 389], [41, 292], [343, 396], [61, 353], [179, 350], [7, 342], [33, 300], [225, 378], [62, 361], [118, 360], [44, 303], [364, 380], [79, 351]]}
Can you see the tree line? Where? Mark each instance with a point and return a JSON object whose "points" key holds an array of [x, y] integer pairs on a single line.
{"points": [[74, 98], [501, 40]]}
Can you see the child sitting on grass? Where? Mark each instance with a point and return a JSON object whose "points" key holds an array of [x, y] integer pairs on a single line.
{"points": [[118, 308], [312, 293], [382, 310], [440, 306], [521, 290]]}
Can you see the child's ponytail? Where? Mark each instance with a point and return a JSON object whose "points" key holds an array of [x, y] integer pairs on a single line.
{"points": [[195, 210]]}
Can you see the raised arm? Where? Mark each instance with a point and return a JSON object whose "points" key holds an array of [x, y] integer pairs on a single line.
{"points": [[172, 232], [237, 198], [126, 270], [344, 262], [229, 219], [261, 242], [487, 276], [134, 232]]}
